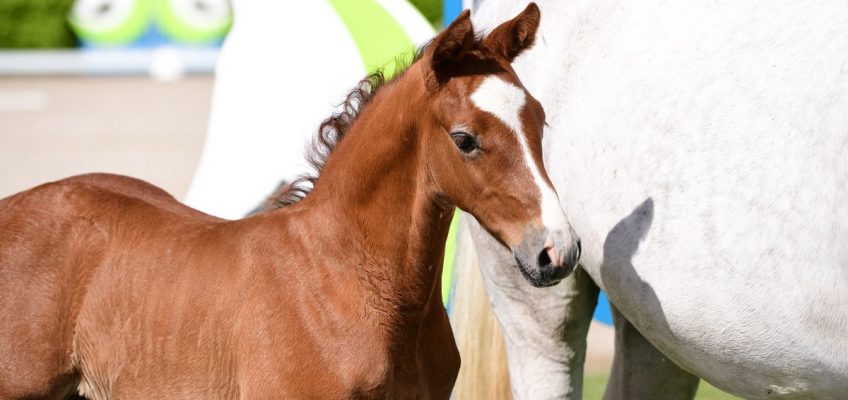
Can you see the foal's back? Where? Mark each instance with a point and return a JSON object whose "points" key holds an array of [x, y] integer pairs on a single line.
{"points": [[58, 242], [100, 265]]}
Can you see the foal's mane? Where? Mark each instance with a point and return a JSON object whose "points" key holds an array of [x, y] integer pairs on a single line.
{"points": [[332, 131]]}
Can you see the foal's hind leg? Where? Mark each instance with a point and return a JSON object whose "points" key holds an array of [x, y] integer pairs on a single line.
{"points": [[28, 370], [36, 292], [33, 361], [640, 371]]}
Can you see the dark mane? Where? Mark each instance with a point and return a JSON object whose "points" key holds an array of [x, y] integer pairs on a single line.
{"points": [[331, 132]]}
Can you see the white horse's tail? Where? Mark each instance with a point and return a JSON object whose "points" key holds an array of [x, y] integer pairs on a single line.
{"points": [[484, 373]]}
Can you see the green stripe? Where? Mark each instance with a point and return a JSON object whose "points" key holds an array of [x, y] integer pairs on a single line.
{"points": [[377, 34], [450, 255]]}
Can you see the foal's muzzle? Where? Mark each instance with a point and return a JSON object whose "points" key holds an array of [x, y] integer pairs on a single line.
{"points": [[547, 257]]}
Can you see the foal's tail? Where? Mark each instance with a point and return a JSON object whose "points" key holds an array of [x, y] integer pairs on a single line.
{"points": [[484, 373]]}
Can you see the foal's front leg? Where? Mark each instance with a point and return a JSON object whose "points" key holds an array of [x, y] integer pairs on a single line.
{"points": [[545, 329], [438, 352]]}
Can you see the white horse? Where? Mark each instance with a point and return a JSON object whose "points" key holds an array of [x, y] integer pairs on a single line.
{"points": [[700, 150]]}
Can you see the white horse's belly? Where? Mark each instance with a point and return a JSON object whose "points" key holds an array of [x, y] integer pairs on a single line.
{"points": [[700, 152], [742, 315]]}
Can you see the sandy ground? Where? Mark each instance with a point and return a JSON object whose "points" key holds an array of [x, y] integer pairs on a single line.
{"points": [[56, 127], [60, 126]]}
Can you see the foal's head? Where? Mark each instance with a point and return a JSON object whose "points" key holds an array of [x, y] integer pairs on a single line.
{"points": [[485, 144]]}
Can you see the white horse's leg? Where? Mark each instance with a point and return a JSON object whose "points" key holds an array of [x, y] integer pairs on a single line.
{"points": [[640, 371], [544, 329], [483, 374]]}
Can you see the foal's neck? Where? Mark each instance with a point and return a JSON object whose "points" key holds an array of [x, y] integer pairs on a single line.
{"points": [[377, 185]]}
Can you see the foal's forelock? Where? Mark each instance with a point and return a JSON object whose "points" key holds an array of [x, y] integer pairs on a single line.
{"points": [[505, 101]]}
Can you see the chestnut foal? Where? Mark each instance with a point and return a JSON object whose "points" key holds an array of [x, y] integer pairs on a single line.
{"points": [[112, 288]]}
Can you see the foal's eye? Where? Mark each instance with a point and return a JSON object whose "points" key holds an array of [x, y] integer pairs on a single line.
{"points": [[464, 142]]}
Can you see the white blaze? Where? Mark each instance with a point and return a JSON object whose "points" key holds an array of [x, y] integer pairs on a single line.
{"points": [[505, 101]]}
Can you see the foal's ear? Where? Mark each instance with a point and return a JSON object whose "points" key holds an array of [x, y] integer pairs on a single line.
{"points": [[451, 45], [516, 35]]}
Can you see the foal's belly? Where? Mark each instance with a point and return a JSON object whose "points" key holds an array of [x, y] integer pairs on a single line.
{"points": [[127, 354], [185, 346]]}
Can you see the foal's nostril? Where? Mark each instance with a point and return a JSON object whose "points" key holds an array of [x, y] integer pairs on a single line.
{"points": [[544, 258], [579, 250]]}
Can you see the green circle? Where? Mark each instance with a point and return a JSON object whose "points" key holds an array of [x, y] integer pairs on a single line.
{"points": [[126, 30], [204, 29]]}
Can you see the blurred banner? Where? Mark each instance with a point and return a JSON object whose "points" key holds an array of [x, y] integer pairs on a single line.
{"points": [[54, 24], [163, 38], [146, 23]]}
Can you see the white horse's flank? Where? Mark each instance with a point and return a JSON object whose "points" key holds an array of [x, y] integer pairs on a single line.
{"points": [[700, 150]]}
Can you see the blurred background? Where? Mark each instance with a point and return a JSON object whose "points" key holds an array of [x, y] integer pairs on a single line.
{"points": [[129, 87]]}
